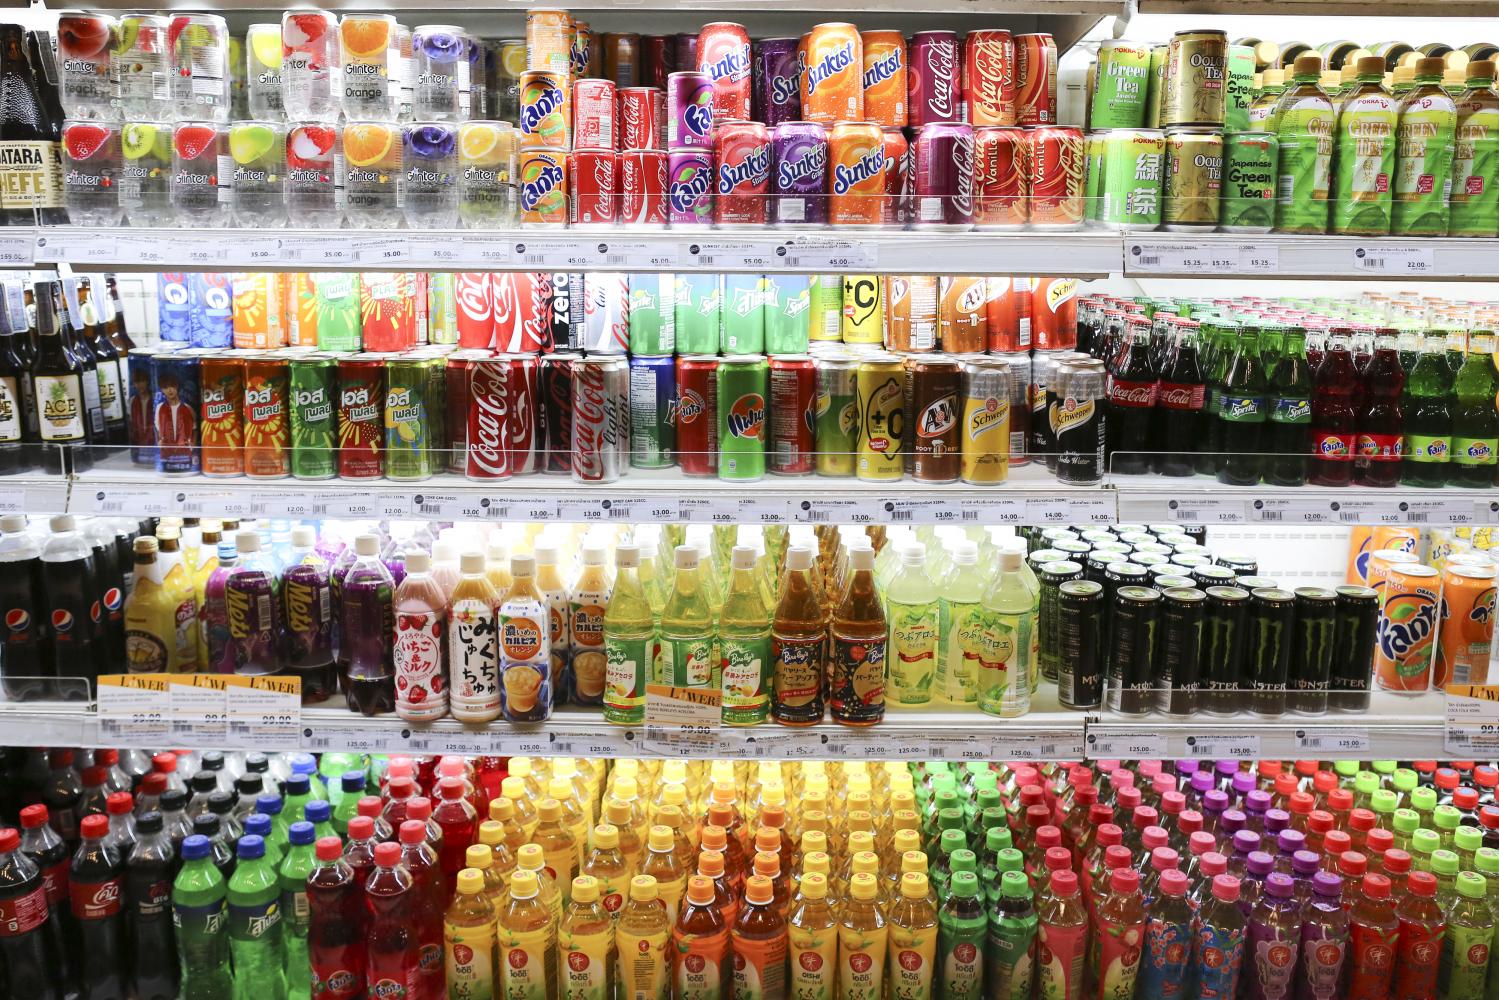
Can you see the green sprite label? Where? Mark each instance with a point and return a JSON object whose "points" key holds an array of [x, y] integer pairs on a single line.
{"points": [[1423, 448], [1475, 167], [627, 661], [1474, 451], [1291, 410], [1365, 160], [746, 699], [1423, 163], [913, 644], [1305, 133], [1241, 409]]}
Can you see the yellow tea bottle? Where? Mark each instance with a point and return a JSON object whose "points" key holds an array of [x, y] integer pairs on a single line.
{"points": [[150, 617], [862, 939], [585, 945], [913, 940], [608, 867], [812, 940], [665, 869], [643, 939], [469, 937], [558, 845], [527, 941]]}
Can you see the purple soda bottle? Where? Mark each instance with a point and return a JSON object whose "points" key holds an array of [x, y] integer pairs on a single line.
{"points": [[1304, 865], [253, 597], [368, 627], [1252, 886], [1274, 939], [213, 615], [1324, 940], [308, 602]]}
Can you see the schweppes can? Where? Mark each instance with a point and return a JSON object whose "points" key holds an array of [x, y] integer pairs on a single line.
{"points": [[984, 435], [863, 309], [880, 392]]}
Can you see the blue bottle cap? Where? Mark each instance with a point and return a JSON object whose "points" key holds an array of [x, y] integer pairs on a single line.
{"points": [[301, 832], [251, 846], [195, 847]]}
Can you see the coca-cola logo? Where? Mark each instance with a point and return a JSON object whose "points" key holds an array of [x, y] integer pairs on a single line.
{"points": [[603, 176], [632, 124], [1132, 394], [590, 421], [993, 69], [941, 65], [962, 152], [488, 415], [472, 296]]}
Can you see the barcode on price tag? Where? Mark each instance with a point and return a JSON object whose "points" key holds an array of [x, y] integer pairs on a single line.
{"points": [[1207, 510], [1394, 260], [824, 255], [264, 711], [1105, 744], [199, 713], [1472, 723], [750, 256], [959, 747], [1235, 747], [855, 511], [134, 708]]}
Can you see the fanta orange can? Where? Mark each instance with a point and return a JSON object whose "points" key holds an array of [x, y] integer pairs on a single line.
{"points": [[546, 109], [549, 40], [1466, 626], [543, 185], [1380, 561], [1405, 638], [1360, 545], [1405, 539], [833, 81], [885, 78], [856, 174]]}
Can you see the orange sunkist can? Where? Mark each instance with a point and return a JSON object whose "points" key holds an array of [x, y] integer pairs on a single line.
{"points": [[1465, 627], [856, 161], [833, 80], [1405, 638], [1380, 561], [267, 430], [962, 315], [885, 78], [221, 429]]}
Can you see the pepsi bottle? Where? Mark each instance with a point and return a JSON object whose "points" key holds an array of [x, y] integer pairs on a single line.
{"points": [[25, 943], [71, 606], [21, 667], [97, 877], [110, 592]]}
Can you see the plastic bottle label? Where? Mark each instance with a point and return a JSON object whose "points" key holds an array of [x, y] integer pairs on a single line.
{"points": [[95, 900], [1274, 965], [1423, 164], [23, 914], [1375, 447], [625, 677], [857, 689], [1465, 960], [1242, 409], [1475, 167], [744, 661], [1168, 952], [1321, 964], [1220, 954], [1291, 410], [698, 968], [1365, 162], [1002, 664], [913, 641], [644, 966], [814, 962], [59, 398], [861, 962], [584, 965], [1061, 958], [199, 930], [10, 410], [524, 959], [420, 687], [1475, 451], [759, 967], [1371, 962], [30, 175], [1304, 129], [965, 631], [525, 631], [470, 961], [687, 662], [797, 675], [253, 922], [912, 962], [1427, 448]]}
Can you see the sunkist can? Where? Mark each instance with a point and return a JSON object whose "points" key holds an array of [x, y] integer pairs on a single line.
{"points": [[777, 91], [856, 169], [832, 80], [1465, 630], [724, 55], [1405, 639], [884, 78]]}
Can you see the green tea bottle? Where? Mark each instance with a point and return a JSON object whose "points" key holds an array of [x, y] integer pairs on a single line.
{"points": [[1305, 129], [1423, 154]]}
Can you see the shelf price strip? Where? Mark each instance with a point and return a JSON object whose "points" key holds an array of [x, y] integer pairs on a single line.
{"points": [[264, 711], [1472, 720], [199, 704], [134, 709]]}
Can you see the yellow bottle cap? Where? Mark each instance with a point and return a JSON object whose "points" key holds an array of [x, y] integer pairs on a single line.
{"points": [[867, 861], [585, 889], [700, 890], [860, 840], [661, 838], [710, 863], [913, 861], [758, 889], [902, 799], [470, 881], [643, 888], [859, 802], [511, 788], [530, 857], [560, 788], [864, 886], [814, 819], [564, 766], [524, 884], [907, 840], [816, 861], [626, 788], [478, 856], [905, 819], [520, 767], [501, 809], [814, 840], [674, 794], [913, 885], [773, 794], [626, 767], [606, 837], [549, 809], [714, 838], [814, 885], [617, 811], [491, 832]]}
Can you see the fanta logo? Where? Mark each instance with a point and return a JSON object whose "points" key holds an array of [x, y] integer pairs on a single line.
{"points": [[686, 195], [812, 163], [882, 69], [62, 620], [387, 988], [17, 619], [830, 65], [1333, 446], [1436, 449], [549, 180], [747, 416], [1407, 622], [871, 164], [542, 107], [733, 65], [690, 406], [1478, 450], [751, 172], [699, 119], [340, 982]]}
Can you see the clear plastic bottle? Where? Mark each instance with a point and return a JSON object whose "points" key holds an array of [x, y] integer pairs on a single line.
{"points": [[858, 647], [1465, 947], [961, 625], [469, 943], [863, 935], [643, 942], [420, 659], [744, 636], [1004, 687], [527, 936], [914, 623], [587, 960]]}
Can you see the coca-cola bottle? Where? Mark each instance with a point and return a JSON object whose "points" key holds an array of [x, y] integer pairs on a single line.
{"points": [[1242, 413], [41, 844], [31, 188], [62, 795], [96, 885], [1335, 416], [1288, 432], [1181, 398], [1380, 442], [1132, 392], [25, 944]]}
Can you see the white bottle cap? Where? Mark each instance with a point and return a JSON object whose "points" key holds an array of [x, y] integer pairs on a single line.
{"points": [[499, 553], [444, 551], [626, 555], [744, 557], [913, 555], [367, 545], [593, 554], [862, 558], [62, 522], [303, 537], [546, 554], [522, 565], [686, 557], [1009, 560], [12, 523], [247, 541], [965, 554], [799, 557], [471, 562], [418, 562]]}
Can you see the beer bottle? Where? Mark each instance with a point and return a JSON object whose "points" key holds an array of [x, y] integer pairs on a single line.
{"points": [[18, 426], [1428, 418], [72, 339], [62, 413], [114, 318], [30, 148], [108, 364]]}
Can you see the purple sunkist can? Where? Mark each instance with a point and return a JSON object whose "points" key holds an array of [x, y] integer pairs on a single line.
{"points": [[689, 111], [684, 47], [689, 187], [944, 176], [799, 175], [777, 81]]}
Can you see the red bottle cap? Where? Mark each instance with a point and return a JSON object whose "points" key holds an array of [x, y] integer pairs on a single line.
{"points": [[1377, 887], [1173, 803], [1380, 841], [450, 788], [1339, 800], [1352, 863], [1225, 888], [1109, 835], [1048, 837], [165, 762], [1319, 821], [1397, 861], [119, 803], [1117, 856], [1422, 884], [1058, 858], [33, 816], [1145, 816], [1300, 804], [1363, 820], [93, 827], [419, 808], [361, 828], [10, 839], [413, 831], [1064, 882], [387, 855], [369, 806], [329, 848]]}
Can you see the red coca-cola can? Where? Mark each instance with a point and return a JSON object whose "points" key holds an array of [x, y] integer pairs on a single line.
{"points": [[595, 187], [642, 187], [456, 373], [640, 125], [1001, 167], [1007, 306], [601, 417], [1035, 79], [522, 311], [793, 415], [741, 153], [473, 296], [697, 415], [989, 77], [555, 387], [657, 59], [522, 443], [900, 184], [1056, 177], [486, 425], [595, 115]]}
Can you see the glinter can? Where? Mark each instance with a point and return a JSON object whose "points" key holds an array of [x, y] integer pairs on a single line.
{"points": [[1130, 170], [1249, 164], [1194, 178], [1121, 85], [836, 415], [984, 431], [1406, 634], [743, 385], [880, 388], [1196, 62]]}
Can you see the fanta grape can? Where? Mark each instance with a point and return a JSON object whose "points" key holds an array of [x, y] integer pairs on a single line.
{"points": [[1465, 630], [1405, 636], [543, 185], [833, 80], [690, 187], [723, 54], [884, 78], [856, 164]]}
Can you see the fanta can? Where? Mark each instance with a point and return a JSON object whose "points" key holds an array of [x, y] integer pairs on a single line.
{"points": [[856, 165], [1366, 540], [543, 185], [549, 40], [1380, 561], [833, 80], [1465, 630], [1405, 636], [546, 112]]}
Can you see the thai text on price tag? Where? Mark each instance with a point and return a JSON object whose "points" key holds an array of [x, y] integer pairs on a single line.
{"points": [[1396, 260], [265, 711], [134, 707], [199, 712], [1472, 725], [1108, 744], [1235, 747]]}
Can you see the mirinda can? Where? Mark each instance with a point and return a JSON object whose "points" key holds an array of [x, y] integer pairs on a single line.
{"points": [[723, 54], [1001, 181], [1405, 636], [832, 82], [856, 167], [1465, 629], [989, 77], [885, 78], [543, 186]]}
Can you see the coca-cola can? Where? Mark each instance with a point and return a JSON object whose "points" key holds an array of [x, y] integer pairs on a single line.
{"points": [[639, 126], [601, 417], [943, 176], [988, 77], [1035, 79], [457, 370], [642, 187], [595, 187], [741, 154], [521, 311], [932, 84], [793, 415], [522, 441], [486, 425], [473, 293], [565, 308], [595, 122], [697, 415], [900, 182], [606, 312], [1001, 197], [799, 175], [555, 389], [1056, 177]]}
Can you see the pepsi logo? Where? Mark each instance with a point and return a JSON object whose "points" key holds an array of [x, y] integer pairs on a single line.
{"points": [[62, 620], [113, 599], [18, 619]]}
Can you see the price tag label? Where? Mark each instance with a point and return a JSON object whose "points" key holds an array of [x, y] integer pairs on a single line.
{"points": [[592, 746], [1035, 748], [857, 510], [471, 742], [331, 251], [643, 254], [689, 709], [1472, 722], [1411, 259], [144, 501], [1337, 742], [1292, 512], [922, 512], [457, 251], [815, 254], [558, 253], [35, 499], [1444, 510], [351, 738], [1259, 258], [254, 251], [341, 503], [748, 510], [264, 711], [444, 506], [730, 255], [1382, 511], [17, 251], [959, 746], [582, 511], [1226, 747], [199, 709], [202, 254], [521, 744], [377, 252], [134, 707], [1207, 258], [1125, 744], [1206, 510]]}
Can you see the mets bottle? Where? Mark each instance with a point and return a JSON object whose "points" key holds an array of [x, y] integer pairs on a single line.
{"points": [[1242, 412], [1380, 446], [1427, 404], [307, 599], [1288, 435], [1475, 423], [255, 924], [367, 612], [253, 596]]}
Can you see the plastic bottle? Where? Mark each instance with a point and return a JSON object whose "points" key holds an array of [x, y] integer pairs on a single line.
{"points": [[863, 933], [1062, 940], [1423, 154], [67, 574], [459, 822], [427, 897], [213, 613], [760, 943], [1003, 681], [687, 633], [255, 924], [95, 884], [914, 619], [45, 849], [585, 945], [292, 877], [558, 844], [531, 859], [608, 867], [148, 892], [1218, 952], [554, 594], [1422, 928], [524, 647], [177, 581], [336, 922], [913, 956], [665, 868], [1166, 959], [367, 615], [420, 653], [150, 617], [588, 603], [812, 940], [744, 636], [1465, 946], [1304, 123], [253, 596], [629, 642], [643, 942], [961, 627], [1121, 933], [29, 941], [469, 939], [798, 644], [307, 599], [393, 952], [859, 642], [199, 910], [22, 643], [1324, 940]]}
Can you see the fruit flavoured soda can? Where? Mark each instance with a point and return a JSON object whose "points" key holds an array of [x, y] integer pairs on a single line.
{"points": [[837, 414], [549, 40], [361, 431], [793, 415], [1249, 163], [880, 391], [863, 310], [742, 157], [407, 415], [690, 110], [799, 168], [312, 180], [825, 311], [653, 394], [743, 315], [543, 186], [984, 430], [212, 296], [595, 114], [370, 52], [1194, 179], [698, 305], [944, 176], [311, 71], [1239, 88], [933, 83], [640, 115], [696, 413], [743, 385], [601, 418], [175, 391], [1405, 637], [652, 315], [777, 78], [962, 315], [606, 313], [267, 449], [1036, 79], [1129, 171], [1381, 561], [723, 55], [140, 368], [1052, 313], [1008, 308], [430, 162], [222, 432], [989, 77], [545, 111], [788, 298], [339, 323], [85, 45], [198, 150], [1466, 627], [257, 186], [1001, 163], [584, 51], [910, 313], [690, 188], [642, 188], [1196, 62], [312, 385], [595, 187], [520, 311], [200, 67], [1056, 178], [301, 310], [259, 299], [388, 310], [832, 81], [900, 181], [487, 154], [1121, 85], [885, 71], [856, 161]]}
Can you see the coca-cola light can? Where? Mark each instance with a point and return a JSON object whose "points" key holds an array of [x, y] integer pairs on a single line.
{"points": [[601, 418], [487, 421], [606, 312], [943, 176], [555, 387]]}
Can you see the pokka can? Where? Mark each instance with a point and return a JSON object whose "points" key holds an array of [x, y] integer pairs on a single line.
{"points": [[799, 172], [690, 187], [856, 163], [1194, 178], [1405, 636], [832, 80], [1196, 67], [1249, 164], [1121, 85], [1125, 170]]}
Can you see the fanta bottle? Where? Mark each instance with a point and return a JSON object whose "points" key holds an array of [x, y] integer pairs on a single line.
{"points": [[586, 958], [455, 815], [393, 963]]}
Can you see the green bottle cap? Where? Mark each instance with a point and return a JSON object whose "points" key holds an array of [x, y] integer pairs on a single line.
{"points": [[964, 884], [1404, 780], [1382, 766], [963, 860], [1345, 768], [951, 819], [987, 798], [1425, 841], [1424, 799], [1468, 838], [1406, 821], [952, 840], [1444, 862], [1384, 801], [1010, 860], [994, 817], [1015, 885], [1447, 817], [997, 838], [1471, 885], [1487, 860], [1365, 782]]}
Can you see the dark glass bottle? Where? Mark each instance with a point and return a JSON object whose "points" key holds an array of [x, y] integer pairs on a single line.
{"points": [[62, 408], [18, 415], [1182, 400], [108, 364], [1289, 431], [1428, 418], [115, 318], [1242, 413], [31, 189]]}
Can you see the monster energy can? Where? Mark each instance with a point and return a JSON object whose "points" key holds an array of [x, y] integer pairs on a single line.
{"points": [[1196, 62], [312, 386], [1129, 168], [1194, 178], [1248, 203]]}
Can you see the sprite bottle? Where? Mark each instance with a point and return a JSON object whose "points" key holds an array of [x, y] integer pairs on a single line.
{"points": [[1305, 131], [1428, 418], [1475, 424], [293, 873], [1475, 156], [199, 916], [1365, 157], [1423, 154]]}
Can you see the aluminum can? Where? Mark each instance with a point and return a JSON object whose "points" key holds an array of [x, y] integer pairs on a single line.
{"points": [[832, 80], [640, 126], [1409, 620], [1353, 648], [944, 176], [777, 81], [657, 60], [595, 187], [1250, 160], [793, 415], [696, 415], [1313, 649], [267, 431], [457, 374], [1053, 313], [856, 160], [1196, 79], [743, 385], [361, 417], [1036, 80], [522, 435], [900, 181], [621, 62], [1129, 171], [984, 430], [863, 309], [698, 304], [1051, 574], [1221, 667], [545, 111], [312, 388], [799, 175], [910, 312], [221, 429], [825, 314], [408, 457], [595, 115], [1077, 423], [652, 315], [1180, 650], [141, 403], [743, 314], [933, 83], [788, 299], [837, 414], [690, 187], [653, 397], [1121, 85], [742, 156], [1272, 615], [684, 48], [880, 390], [1081, 644], [555, 389], [176, 391], [963, 315], [473, 293], [723, 55], [543, 186], [1194, 179], [606, 312], [884, 79], [1001, 196], [601, 418], [642, 188], [1056, 178], [520, 310], [989, 77], [549, 40], [690, 111], [936, 414], [1007, 307]]}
